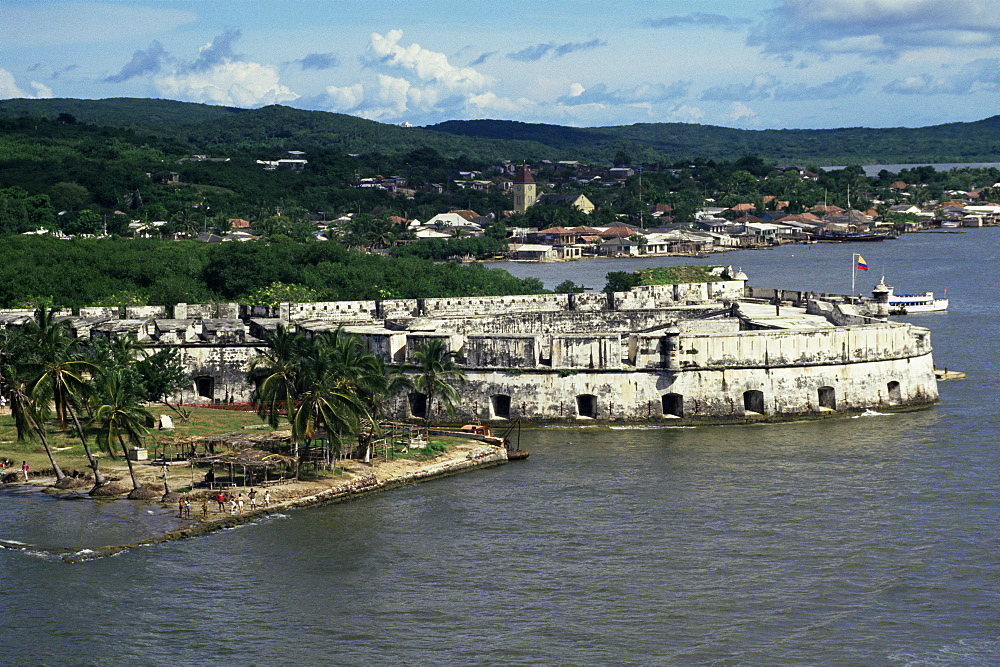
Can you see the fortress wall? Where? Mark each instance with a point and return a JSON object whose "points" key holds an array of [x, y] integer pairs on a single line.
{"points": [[495, 305], [143, 312], [333, 311], [589, 302], [501, 351], [709, 395], [772, 348], [94, 311], [399, 308], [226, 365], [587, 352], [574, 321]]}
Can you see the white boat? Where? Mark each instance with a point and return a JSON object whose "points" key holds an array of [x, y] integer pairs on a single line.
{"points": [[904, 304]]}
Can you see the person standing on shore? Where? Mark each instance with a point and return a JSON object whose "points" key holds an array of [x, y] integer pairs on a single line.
{"points": [[204, 508], [180, 507], [221, 498], [267, 497], [253, 499], [187, 508], [24, 469], [239, 503], [232, 505]]}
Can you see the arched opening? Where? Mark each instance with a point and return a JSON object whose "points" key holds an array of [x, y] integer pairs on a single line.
{"points": [[205, 387], [673, 405], [895, 393], [827, 398], [586, 406], [500, 404], [418, 406], [753, 402]]}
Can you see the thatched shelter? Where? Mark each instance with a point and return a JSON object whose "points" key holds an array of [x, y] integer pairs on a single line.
{"points": [[252, 455]]}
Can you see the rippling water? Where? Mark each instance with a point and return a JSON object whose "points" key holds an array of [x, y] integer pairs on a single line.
{"points": [[871, 540]]}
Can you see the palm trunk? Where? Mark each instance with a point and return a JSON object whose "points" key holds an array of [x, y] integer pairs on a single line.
{"points": [[131, 470], [60, 475], [99, 480]]}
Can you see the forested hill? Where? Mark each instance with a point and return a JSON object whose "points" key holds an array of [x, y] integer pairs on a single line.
{"points": [[211, 127], [977, 141]]}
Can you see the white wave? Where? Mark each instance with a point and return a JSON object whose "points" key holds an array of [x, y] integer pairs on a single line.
{"points": [[872, 413]]}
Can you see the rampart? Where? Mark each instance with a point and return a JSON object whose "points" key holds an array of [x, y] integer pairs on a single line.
{"points": [[701, 352]]}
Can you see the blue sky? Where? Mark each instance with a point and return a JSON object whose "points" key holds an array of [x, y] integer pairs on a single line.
{"points": [[755, 64]]}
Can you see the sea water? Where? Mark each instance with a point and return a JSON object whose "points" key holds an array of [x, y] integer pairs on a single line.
{"points": [[863, 540]]}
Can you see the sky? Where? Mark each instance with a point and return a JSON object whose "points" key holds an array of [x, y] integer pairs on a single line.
{"points": [[755, 64]]}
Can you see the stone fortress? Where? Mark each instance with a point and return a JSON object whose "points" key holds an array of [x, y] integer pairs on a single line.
{"points": [[710, 352]]}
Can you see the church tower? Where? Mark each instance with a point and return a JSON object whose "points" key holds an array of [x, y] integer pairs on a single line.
{"points": [[524, 189]]}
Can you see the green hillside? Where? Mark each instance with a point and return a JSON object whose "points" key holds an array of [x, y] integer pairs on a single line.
{"points": [[212, 127], [954, 142]]}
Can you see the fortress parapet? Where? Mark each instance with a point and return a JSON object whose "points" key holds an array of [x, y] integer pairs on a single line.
{"points": [[700, 352]]}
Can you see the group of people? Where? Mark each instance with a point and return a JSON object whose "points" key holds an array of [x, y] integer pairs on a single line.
{"points": [[237, 503]]}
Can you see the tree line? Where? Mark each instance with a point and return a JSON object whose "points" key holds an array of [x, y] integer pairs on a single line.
{"points": [[123, 272]]}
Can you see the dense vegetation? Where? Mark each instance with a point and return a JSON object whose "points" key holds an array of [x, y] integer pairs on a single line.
{"points": [[81, 272], [953, 142]]}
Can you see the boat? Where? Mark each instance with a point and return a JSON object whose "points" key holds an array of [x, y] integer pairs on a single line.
{"points": [[904, 304], [846, 237]]}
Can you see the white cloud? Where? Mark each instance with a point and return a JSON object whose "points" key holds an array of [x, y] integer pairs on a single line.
{"points": [[240, 84], [426, 65], [642, 94], [982, 75], [738, 112], [9, 88], [412, 83], [490, 102], [345, 98], [684, 113], [877, 28]]}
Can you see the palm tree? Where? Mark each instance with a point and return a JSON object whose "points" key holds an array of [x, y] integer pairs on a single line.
{"points": [[58, 378], [28, 420], [185, 220], [335, 376], [274, 373], [437, 370], [328, 383], [121, 419]]}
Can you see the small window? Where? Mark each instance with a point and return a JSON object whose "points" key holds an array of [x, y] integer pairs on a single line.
{"points": [[827, 398], [673, 405], [753, 402], [895, 393], [418, 406], [586, 406], [501, 406]]}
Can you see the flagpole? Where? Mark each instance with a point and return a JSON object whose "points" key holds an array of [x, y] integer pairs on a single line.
{"points": [[854, 270]]}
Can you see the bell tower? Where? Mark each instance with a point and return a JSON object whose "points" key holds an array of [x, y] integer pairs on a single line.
{"points": [[524, 189]]}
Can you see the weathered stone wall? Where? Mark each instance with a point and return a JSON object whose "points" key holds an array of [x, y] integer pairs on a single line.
{"points": [[770, 349], [703, 395]]}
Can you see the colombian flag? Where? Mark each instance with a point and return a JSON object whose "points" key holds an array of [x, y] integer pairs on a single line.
{"points": [[862, 265]]}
